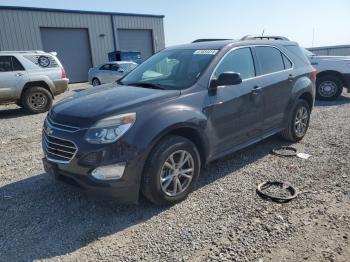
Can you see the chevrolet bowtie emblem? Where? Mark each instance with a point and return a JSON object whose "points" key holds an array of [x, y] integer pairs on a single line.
{"points": [[49, 131]]}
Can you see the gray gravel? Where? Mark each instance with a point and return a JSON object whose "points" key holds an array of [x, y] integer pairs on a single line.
{"points": [[223, 220]]}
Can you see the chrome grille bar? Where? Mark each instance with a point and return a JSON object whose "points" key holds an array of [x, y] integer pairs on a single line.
{"points": [[58, 150]]}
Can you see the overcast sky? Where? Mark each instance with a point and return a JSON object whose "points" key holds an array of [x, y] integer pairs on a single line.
{"points": [[186, 20]]}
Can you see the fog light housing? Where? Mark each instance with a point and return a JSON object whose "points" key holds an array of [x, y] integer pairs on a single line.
{"points": [[110, 172]]}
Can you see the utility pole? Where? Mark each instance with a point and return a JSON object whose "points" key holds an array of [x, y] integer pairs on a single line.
{"points": [[263, 32]]}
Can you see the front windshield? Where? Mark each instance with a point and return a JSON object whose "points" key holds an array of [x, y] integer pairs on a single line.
{"points": [[173, 69]]}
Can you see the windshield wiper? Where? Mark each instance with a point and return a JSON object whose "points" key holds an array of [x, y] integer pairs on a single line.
{"points": [[146, 85]]}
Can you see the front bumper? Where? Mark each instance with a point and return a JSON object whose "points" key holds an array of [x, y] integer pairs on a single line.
{"points": [[78, 171], [118, 191]]}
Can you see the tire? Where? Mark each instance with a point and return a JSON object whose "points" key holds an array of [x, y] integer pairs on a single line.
{"points": [[291, 132], [157, 168], [96, 82], [36, 100], [328, 88]]}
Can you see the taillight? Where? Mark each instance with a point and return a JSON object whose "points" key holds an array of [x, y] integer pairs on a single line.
{"points": [[313, 73], [63, 73]]}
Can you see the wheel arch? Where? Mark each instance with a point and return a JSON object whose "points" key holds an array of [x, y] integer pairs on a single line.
{"points": [[42, 84], [308, 98], [189, 131], [331, 73]]}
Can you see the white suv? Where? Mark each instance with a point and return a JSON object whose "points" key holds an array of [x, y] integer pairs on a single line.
{"points": [[333, 73], [31, 79]]}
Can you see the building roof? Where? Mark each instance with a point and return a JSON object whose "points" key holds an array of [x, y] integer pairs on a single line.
{"points": [[328, 47], [23, 8]]}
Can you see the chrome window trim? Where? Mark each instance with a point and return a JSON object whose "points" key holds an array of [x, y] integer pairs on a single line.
{"points": [[251, 46]]}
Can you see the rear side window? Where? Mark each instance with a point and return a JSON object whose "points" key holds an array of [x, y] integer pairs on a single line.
{"points": [[10, 63], [16, 65], [44, 61], [296, 51], [270, 59], [287, 63], [238, 61]]}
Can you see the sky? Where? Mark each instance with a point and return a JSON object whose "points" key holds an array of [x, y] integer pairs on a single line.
{"points": [[309, 22]]}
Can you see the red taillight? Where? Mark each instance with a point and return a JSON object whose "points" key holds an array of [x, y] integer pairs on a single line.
{"points": [[63, 73], [313, 73]]}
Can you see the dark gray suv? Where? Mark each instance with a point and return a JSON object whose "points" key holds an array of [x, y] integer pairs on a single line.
{"points": [[182, 108]]}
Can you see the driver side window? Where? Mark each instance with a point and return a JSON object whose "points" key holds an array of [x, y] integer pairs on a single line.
{"points": [[238, 61]]}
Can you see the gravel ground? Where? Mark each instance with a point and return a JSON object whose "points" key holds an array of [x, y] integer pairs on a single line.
{"points": [[223, 220]]}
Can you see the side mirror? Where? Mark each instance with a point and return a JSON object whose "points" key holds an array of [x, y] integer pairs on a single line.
{"points": [[226, 79]]}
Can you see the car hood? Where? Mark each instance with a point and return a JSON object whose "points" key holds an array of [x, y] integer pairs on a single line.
{"points": [[86, 107]]}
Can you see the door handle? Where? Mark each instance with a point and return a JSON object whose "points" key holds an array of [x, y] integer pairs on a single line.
{"points": [[256, 90], [291, 78], [19, 74]]}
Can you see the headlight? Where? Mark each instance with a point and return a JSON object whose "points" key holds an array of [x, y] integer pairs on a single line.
{"points": [[110, 129]]}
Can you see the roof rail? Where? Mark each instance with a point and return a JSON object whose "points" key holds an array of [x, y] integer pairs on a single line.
{"points": [[24, 52], [209, 40], [264, 37]]}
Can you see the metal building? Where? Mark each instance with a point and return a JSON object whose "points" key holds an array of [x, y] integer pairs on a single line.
{"points": [[338, 50], [82, 39]]}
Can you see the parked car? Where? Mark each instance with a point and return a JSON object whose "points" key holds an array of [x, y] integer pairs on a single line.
{"points": [[153, 132], [110, 72], [333, 73], [31, 79]]}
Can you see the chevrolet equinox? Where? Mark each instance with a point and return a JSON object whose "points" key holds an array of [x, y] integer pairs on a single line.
{"points": [[152, 131]]}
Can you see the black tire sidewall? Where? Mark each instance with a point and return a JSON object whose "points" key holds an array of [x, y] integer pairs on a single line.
{"points": [[299, 104], [97, 80], [36, 89], [155, 164], [331, 79]]}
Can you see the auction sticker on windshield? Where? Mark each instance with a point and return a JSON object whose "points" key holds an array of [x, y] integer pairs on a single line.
{"points": [[205, 52]]}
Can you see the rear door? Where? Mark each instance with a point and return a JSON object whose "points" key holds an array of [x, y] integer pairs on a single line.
{"points": [[276, 80], [12, 78], [236, 110]]}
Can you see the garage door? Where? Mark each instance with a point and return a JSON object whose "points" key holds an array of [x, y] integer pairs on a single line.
{"points": [[73, 49], [136, 40]]}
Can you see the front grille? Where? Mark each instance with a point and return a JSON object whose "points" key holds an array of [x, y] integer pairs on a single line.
{"points": [[58, 150], [55, 125]]}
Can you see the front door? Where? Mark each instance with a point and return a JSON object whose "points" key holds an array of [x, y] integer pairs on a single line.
{"points": [[236, 111]]}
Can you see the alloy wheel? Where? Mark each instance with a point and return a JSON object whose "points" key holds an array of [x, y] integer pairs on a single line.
{"points": [[301, 121], [177, 173]]}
